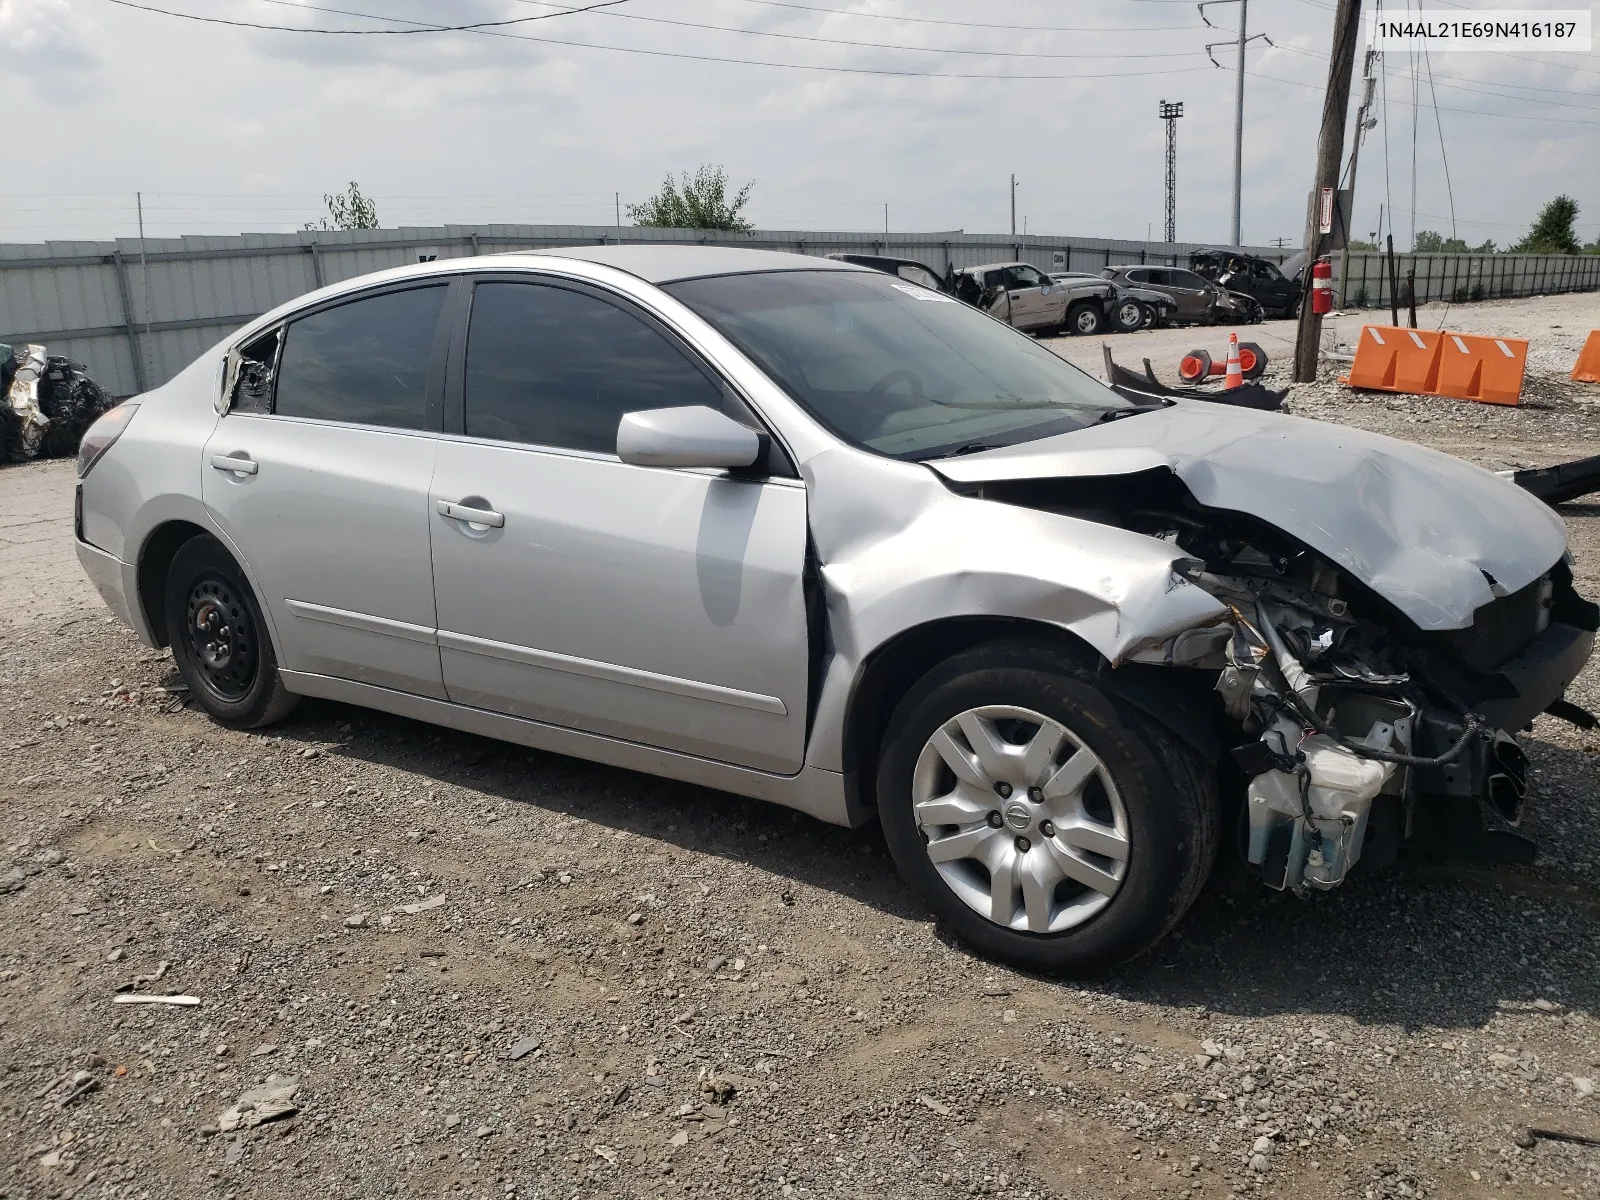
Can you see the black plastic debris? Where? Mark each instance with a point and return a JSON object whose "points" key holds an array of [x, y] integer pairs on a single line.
{"points": [[1560, 483], [1146, 388]]}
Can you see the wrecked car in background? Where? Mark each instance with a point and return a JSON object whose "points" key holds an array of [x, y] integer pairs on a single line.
{"points": [[1276, 292], [1198, 301], [46, 402], [803, 531], [1129, 308], [1025, 298]]}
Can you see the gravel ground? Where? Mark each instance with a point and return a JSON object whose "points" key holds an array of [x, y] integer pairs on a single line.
{"points": [[469, 969]]}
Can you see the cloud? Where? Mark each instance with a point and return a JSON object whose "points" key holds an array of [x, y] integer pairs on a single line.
{"points": [[43, 37]]}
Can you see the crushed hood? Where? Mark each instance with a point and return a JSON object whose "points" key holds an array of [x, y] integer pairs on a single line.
{"points": [[1424, 530]]}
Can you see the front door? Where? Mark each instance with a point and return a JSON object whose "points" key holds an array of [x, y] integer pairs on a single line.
{"points": [[662, 606], [320, 477], [1033, 301]]}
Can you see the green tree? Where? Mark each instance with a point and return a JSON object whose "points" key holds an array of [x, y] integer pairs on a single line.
{"points": [[1553, 232], [698, 202], [348, 210], [1358, 244], [1429, 242]]}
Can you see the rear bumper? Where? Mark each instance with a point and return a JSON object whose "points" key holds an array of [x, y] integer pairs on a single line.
{"points": [[118, 585]]}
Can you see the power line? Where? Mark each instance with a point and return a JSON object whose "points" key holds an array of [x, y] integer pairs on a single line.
{"points": [[685, 56], [1475, 112], [1444, 155], [845, 12], [422, 27], [803, 37]]}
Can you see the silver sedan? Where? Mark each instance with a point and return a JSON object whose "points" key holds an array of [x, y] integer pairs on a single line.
{"points": [[802, 531]]}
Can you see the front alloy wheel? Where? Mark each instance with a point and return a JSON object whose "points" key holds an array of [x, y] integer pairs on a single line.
{"points": [[1021, 820], [1045, 823]]}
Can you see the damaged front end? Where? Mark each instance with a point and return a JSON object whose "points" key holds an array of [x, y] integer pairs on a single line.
{"points": [[1353, 731]]}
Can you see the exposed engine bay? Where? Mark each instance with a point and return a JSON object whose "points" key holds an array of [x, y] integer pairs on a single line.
{"points": [[1352, 731]]}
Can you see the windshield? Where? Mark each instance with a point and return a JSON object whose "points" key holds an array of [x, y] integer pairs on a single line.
{"points": [[895, 368]]}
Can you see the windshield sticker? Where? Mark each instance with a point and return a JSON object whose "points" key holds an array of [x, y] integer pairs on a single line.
{"points": [[922, 293]]}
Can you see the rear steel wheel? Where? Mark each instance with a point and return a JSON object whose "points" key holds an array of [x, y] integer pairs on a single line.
{"points": [[222, 637], [219, 638], [1022, 821]]}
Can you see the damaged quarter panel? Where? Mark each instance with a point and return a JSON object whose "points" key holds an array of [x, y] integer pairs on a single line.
{"points": [[1436, 537]]}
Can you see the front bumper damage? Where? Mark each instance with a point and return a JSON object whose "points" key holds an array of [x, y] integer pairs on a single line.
{"points": [[1366, 741]]}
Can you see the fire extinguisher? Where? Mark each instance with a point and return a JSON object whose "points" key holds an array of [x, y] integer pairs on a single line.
{"points": [[1322, 287]]}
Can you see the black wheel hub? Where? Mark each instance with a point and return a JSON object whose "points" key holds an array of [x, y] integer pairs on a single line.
{"points": [[221, 637]]}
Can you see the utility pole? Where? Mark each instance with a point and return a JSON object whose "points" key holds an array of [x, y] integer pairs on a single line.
{"points": [[1170, 114], [1330, 148], [1364, 122], [616, 199], [1238, 102], [885, 224], [1013, 205]]}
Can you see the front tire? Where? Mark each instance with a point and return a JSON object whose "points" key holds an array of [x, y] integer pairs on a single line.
{"points": [[1128, 316], [219, 640], [1047, 826]]}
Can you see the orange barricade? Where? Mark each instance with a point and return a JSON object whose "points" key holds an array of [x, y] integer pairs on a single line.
{"points": [[1588, 368], [1487, 369], [1391, 359]]}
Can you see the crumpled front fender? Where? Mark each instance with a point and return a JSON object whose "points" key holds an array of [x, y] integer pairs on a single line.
{"points": [[897, 549]]}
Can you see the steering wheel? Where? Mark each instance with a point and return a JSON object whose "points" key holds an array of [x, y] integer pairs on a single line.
{"points": [[900, 375]]}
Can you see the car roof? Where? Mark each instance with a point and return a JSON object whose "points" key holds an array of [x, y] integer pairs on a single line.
{"points": [[670, 263]]}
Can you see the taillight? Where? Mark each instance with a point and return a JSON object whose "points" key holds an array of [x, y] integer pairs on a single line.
{"points": [[100, 436]]}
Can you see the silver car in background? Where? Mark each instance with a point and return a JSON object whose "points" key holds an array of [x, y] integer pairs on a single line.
{"points": [[807, 532]]}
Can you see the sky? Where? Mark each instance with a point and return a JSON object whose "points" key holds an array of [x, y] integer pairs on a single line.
{"points": [[837, 109]]}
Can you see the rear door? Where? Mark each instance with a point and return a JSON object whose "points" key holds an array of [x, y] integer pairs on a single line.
{"points": [[1190, 291], [657, 605], [319, 477]]}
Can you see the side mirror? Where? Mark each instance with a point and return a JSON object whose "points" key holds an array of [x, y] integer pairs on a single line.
{"points": [[696, 436]]}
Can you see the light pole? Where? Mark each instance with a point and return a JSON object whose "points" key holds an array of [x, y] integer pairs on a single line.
{"points": [[1170, 114], [1238, 102]]}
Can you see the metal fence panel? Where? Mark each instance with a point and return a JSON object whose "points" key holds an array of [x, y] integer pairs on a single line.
{"points": [[138, 314], [1466, 278]]}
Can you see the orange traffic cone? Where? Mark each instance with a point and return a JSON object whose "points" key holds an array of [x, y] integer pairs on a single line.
{"points": [[1235, 376]]}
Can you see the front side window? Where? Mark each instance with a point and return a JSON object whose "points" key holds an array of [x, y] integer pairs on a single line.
{"points": [[365, 362], [899, 371], [1266, 272], [1026, 276], [1188, 279], [553, 367]]}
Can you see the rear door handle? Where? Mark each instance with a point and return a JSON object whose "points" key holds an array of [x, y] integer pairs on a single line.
{"points": [[239, 466], [474, 516]]}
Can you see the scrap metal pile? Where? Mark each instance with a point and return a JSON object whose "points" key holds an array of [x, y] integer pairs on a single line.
{"points": [[46, 402]]}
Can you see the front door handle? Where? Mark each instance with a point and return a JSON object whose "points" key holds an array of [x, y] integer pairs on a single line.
{"points": [[473, 516], [239, 465]]}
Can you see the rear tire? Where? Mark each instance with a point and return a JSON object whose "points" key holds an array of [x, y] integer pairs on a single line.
{"points": [[1100, 835], [1085, 318], [219, 639]]}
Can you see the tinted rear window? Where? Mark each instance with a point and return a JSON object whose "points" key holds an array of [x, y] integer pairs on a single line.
{"points": [[365, 362]]}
